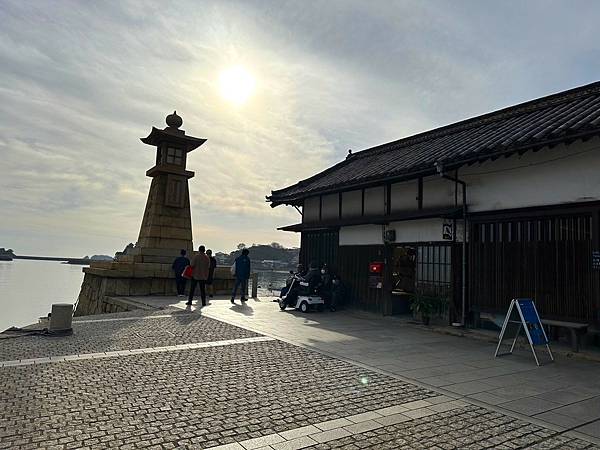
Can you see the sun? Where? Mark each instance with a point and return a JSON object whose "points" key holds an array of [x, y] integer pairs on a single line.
{"points": [[236, 85]]}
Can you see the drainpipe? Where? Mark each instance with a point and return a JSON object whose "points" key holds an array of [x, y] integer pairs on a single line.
{"points": [[440, 170]]}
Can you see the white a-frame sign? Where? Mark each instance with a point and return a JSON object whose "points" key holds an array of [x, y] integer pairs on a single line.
{"points": [[529, 320]]}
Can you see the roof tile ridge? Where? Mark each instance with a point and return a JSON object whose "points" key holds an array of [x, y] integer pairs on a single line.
{"points": [[483, 119]]}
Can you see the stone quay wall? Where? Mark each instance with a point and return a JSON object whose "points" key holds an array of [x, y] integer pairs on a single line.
{"points": [[103, 282]]}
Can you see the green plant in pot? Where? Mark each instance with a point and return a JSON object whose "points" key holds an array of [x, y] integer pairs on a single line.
{"points": [[428, 304]]}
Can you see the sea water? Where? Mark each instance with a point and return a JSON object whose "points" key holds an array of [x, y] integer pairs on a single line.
{"points": [[28, 288]]}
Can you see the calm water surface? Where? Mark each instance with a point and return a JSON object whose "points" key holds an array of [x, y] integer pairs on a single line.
{"points": [[29, 288]]}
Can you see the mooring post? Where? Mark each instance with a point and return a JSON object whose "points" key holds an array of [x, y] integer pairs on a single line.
{"points": [[254, 277]]}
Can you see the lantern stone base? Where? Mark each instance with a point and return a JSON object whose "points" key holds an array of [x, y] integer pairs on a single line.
{"points": [[105, 280]]}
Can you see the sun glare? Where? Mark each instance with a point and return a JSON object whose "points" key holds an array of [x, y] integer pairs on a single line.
{"points": [[236, 85]]}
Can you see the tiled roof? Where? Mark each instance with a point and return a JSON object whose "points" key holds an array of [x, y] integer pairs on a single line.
{"points": [[547, 121]]}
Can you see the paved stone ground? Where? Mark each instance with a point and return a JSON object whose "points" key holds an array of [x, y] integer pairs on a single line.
{"points": [[144, 330], [231, 394], [563, 394]]}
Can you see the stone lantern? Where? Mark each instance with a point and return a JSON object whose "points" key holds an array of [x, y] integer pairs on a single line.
{"points": [[166, 229], [167, 226]]}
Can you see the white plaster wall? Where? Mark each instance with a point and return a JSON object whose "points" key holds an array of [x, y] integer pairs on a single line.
{"points": [[361, 235], [549, 176], [352, 203], [330, 207], [404, 196], [374, 201], [311, 210], [438, 192], [424, 230]]}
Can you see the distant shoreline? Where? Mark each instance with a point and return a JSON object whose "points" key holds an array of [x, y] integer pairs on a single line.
{"points": [[55, 258]]}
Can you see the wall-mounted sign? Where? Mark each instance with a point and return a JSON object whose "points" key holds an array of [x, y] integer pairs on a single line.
{"points": [[528, 320], [447, 231], [596, 260]]}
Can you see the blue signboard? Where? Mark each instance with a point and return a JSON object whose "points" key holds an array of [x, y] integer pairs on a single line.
{"points": [[532, 321]]}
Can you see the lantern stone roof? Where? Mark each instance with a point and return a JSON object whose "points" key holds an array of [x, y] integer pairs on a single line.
{"points": [[173, 134], [545, 122]]}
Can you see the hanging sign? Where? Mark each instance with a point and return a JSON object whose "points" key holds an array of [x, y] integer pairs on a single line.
{"points": [[447, 231], [528, 320]]}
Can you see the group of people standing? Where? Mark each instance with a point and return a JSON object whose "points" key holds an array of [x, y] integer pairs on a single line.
{"points": [[202, 274]]}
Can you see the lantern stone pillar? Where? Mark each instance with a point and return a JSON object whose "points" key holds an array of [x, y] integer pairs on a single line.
{"points": [[167, 224], [166, 229]]}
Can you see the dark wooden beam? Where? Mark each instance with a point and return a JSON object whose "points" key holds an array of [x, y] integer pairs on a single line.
{"points": [[340, 206], [362, 212], [388, 199], [420, 193], [320, 208]]}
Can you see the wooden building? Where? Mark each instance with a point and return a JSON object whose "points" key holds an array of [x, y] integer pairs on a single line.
{"points": [[524, 182]]}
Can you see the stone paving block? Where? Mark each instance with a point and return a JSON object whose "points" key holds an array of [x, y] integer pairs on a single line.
{"points": [[331, 424], [488, 398], [330, 435], [443, 407], [530, 405], [469, 387], [393, 419], [232, 446], [363, 427], [418, 413], [592, 429], [262, 441], [299, 432], [390, 410], [362, 417], [439, 399], [560, 420], [10, 363], [416, 404], [295, 444]]}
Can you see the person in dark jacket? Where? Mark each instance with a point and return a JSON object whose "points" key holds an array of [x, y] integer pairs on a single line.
{"points": [[313, 277], [211, 273], [179, 265], [242, 273], [325, 287]]}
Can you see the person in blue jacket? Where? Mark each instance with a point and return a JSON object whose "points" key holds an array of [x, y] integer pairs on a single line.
{"points": [[242, 273]]}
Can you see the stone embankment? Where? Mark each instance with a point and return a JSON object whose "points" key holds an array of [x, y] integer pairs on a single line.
{"points": [[107, 284]]}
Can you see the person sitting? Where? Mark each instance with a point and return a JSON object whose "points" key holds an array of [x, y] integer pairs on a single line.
{"points": [[325, 287], [313, 277]]}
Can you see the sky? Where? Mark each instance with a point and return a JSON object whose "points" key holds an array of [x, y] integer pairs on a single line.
{"points": [[81, 82]]}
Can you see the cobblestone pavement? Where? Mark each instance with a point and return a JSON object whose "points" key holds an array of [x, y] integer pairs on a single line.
{"points": [[214, 396], [468, 428], [97, 335]]}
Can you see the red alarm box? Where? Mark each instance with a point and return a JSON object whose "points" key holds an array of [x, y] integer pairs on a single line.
{"points": [[376, 268]]}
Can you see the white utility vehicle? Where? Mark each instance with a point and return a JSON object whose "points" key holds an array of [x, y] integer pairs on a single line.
{"points": [[299, 297]]}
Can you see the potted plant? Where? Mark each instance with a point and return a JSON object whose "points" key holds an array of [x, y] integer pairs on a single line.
{"points": [[428, 304]]}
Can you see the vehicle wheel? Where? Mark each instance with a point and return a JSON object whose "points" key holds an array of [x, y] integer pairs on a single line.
{"points": [[320, 307], [282, 305], [304, 306]]}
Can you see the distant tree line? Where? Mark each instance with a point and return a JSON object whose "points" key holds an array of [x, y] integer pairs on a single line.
{"points": [[268, 256]]}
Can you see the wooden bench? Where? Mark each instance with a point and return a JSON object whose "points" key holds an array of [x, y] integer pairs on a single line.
{"points": [[576, 330]]}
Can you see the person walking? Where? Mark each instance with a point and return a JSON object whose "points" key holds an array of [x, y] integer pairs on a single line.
{"points": [[242, 273], [211, 273], [179, 265], [200, 265]]}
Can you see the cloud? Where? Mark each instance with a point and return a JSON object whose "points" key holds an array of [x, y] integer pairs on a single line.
{"points": [[80, 82]]}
